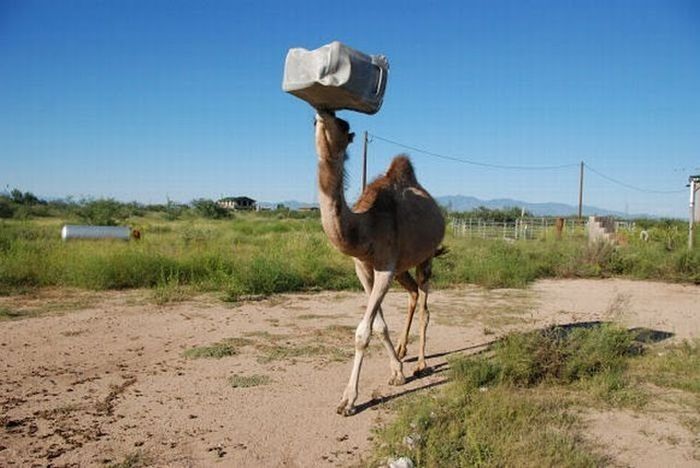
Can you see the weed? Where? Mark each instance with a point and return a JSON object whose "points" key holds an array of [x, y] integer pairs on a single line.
{"points": [[59, 412], [216, 350], [14, 314], [310, 317], [259, 255], [554, 354], [292, 351], [673, 367], [170, 291], [132, 460], [106, 406], [246, 381], [325, 343], [486, 416]]}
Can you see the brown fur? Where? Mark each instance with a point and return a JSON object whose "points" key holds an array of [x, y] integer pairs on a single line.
{"points": [[381, 191]]}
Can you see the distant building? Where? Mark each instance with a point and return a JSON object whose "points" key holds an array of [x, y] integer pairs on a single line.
{"points": [[309, 208], [237, 203]]}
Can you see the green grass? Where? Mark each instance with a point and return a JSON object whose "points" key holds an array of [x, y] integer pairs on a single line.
{"points": [[12, 314], [518, 403], [247, 256], [259, 255], [330, 344], [675, 367], [247, 381], [221, 349]]}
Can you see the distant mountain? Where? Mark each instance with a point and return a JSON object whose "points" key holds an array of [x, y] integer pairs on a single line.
{"points": [[291, 204], [465, 203]]}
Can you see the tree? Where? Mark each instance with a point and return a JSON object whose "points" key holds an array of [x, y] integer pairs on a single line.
{"points": [[209, 209], [102, 212], [26, 198]]}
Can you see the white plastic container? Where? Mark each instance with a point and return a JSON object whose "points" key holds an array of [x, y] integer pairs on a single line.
{"points": [[73, 231], [335, 77]]}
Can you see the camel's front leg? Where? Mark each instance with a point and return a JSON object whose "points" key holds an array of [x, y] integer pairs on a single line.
{"points": [[381, 283], [379, 327]]}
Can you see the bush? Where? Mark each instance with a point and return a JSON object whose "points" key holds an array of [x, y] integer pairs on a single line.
{"points": [[554, 354], [510, 406], [7, 208], [102, 212], [209, 209]]}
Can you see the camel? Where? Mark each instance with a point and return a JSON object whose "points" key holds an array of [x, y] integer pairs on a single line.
{"points": [[395, 225]]}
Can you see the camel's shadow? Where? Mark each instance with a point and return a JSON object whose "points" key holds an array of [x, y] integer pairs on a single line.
{"points": [[641, 335]]}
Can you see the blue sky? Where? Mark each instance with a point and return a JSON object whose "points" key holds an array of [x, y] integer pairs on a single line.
{"points": [[152, 99]]}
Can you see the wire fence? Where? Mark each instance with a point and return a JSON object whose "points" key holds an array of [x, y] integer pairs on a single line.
{"points": [[520, 229], [526, 228]]}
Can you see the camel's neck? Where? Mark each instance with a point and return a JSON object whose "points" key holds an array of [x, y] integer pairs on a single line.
{"points": [[340, 224]]}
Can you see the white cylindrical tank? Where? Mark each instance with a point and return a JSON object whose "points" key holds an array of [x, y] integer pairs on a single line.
{"points": [[72, 231]]}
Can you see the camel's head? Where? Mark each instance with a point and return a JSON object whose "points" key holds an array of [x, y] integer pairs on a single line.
{"points": [[333, 135]]}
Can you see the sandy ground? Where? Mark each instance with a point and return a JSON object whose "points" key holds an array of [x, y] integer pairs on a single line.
{"points": [[101, 378]]}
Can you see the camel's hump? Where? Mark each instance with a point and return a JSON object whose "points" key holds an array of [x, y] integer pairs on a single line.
{"points": [[401, 171]]}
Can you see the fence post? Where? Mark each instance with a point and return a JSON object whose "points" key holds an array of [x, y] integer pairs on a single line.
{"points": [[544, 226]]}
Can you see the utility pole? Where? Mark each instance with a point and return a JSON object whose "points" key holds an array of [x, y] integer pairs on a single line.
{"points": [[580, 192], [694, 187], [364, 164]]}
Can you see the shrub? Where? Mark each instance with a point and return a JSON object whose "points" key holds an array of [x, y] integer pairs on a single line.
{"points": [[209, 209], [554, 354], [7, 208], [102, 212], [510, 406]]}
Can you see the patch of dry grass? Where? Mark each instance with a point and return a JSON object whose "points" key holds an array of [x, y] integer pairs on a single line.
{"points": [[247, 381]]}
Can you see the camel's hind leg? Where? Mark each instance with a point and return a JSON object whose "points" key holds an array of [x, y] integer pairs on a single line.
{"points": [[423, 274], [406, 280]]}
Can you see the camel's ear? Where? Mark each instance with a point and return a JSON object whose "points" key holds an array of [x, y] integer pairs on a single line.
{"points": [[351, 136]]}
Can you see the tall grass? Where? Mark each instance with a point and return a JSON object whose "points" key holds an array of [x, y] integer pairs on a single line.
{"points": [[262, 254], [248, 255], [517, 405]]}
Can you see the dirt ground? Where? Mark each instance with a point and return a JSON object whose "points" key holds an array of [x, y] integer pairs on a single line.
{"points": [[90, 379]]}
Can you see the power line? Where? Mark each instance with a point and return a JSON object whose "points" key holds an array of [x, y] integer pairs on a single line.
{"points": [[470, 161], [525, 168], [632, 187]]}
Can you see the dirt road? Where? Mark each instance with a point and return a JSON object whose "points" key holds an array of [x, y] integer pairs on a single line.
{"points": [[103, 380]]}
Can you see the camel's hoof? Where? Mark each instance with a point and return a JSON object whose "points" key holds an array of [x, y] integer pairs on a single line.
{"points": [[397, 380], [421, 369], [345, 410], [422, 372], [401, 351]]}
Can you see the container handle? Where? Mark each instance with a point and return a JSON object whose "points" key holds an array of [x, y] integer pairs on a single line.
{"points": [[380, 82]]}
